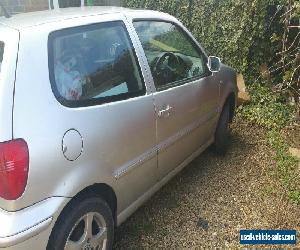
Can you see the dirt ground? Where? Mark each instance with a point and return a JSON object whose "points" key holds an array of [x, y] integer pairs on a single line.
{"points": [[210, 201]]}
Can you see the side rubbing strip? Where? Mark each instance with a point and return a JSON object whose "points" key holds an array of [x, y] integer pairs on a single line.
{"points": [[137, 162], [187, 130], [125, 169]]}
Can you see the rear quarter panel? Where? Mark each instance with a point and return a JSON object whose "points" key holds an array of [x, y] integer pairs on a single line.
{"points": [[10, 37], [40, 119]]}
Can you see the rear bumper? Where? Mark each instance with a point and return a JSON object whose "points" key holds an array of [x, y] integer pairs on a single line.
{"points": [[27, 224]]}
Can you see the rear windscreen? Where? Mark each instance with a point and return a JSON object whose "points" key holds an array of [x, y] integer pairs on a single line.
{"points": [[1, 53]]}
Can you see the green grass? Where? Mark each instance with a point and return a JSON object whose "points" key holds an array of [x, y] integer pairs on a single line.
{"points": [[286, 165], [145, 226], [271, 112]]}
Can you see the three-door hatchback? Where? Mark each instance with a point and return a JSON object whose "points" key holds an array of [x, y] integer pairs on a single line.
{"points": [[99, 107]]}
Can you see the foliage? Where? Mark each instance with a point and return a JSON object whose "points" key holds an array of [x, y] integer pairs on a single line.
{"points": [[285, 40], [232, 29], [271, 112], [246, 35], [266, 109]]}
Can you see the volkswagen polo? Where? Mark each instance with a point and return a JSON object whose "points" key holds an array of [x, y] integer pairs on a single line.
{"points": [[99, 108]]}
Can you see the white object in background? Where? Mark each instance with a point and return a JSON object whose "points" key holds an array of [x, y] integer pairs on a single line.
{"points": [[55, 5]]}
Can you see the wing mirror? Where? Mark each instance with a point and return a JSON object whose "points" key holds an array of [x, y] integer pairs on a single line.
{"points": [[214, 64]]}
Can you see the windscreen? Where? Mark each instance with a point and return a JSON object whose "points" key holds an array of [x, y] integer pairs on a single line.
{"points": [[1, 53]]}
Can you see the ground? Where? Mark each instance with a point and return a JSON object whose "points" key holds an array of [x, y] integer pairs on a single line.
{"points": [[207, 204]]}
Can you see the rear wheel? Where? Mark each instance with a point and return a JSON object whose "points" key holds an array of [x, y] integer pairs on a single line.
{"points": [[85, 224], [222, 131]]}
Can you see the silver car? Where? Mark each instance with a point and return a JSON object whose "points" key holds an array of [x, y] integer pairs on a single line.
{"points": [[99, 108]]}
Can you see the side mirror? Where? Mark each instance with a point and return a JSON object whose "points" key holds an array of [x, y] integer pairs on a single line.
{"points": [[214, 64]]}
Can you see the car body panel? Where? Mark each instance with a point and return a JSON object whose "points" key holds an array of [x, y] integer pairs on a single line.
{"points": [[142, 199], [228, 84], [194, 109], [26, 223], [189, 124], [10, 37]]}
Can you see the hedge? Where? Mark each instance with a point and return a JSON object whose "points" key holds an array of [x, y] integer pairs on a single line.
{"points": [[235, 30]]}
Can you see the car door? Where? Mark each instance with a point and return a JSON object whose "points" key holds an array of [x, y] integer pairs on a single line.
{"points": [[97, 74], [187, 94]]}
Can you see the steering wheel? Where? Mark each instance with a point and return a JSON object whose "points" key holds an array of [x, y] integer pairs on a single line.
{"points": [[166, 68]]}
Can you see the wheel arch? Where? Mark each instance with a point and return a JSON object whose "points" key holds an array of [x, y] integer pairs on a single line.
{"points": [[231, 99], [101, 190]]}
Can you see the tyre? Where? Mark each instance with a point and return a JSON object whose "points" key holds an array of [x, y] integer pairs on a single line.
{"points": [[85, 224], [222, 131]]}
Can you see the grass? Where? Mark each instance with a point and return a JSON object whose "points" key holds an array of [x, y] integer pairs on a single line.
{"points": [[145, 226], [271, 112], [286, 165]]}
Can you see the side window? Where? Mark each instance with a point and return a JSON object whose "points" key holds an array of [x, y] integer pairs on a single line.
{"points": [[69, 3], [78, 3], [172, 55], [93, 64]]}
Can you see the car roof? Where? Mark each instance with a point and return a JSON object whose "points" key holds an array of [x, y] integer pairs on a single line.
{"points": [[31, 19]]}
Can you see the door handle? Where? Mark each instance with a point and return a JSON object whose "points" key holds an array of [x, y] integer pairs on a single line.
{"points": [[165, 112]]}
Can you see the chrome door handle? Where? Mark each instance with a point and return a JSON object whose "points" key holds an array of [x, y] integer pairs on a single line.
{"points": [[165, 112]]}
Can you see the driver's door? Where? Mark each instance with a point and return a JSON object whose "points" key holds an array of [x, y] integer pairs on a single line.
{"points": [[186, 97]]}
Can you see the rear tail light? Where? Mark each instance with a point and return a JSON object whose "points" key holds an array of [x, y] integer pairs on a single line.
{"points": [[14, 166]]}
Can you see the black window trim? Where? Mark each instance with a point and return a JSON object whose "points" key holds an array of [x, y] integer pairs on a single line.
{"points": [[2, 43], [97, 101], [194, 44]]}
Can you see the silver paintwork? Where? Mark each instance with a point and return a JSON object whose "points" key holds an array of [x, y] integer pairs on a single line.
{"points": [[72, 145], [143, 198], [10, 37], [13, 240], [134, 146], [18, 226]]}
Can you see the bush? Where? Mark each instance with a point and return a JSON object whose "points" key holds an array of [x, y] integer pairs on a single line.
{"points": [[233, 30], [267, 109], [245, 34]]}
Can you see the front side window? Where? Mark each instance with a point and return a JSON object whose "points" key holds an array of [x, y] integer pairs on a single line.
{"points": [[79, 3], [93, 64], [93, 2], [172, 55], [69, 3], [1, 54]]}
